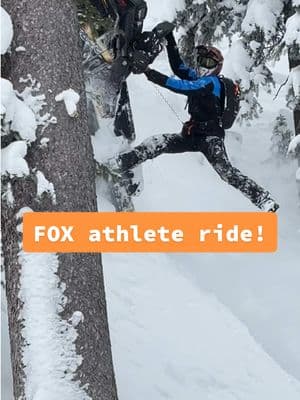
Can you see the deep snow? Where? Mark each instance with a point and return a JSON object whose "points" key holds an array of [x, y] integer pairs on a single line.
{"points": [[162, 345], [209, 325]]}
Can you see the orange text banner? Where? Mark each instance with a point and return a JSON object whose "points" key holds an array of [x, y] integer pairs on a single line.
{"points": [[150, 232]]}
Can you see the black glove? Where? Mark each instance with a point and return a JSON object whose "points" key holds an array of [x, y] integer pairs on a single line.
{"points": [[146, 41], [163, 29], [140, 61]]}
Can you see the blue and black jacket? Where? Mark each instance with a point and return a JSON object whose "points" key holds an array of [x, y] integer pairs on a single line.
{"points": [[204, 93]]}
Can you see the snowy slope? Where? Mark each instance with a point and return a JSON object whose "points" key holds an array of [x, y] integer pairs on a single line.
{"points": [[207, 326], [172, 336], [173, 341], [220, 326]]}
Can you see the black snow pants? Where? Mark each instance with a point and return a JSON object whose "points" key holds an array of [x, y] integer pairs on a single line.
{"points": [[211, 146]]}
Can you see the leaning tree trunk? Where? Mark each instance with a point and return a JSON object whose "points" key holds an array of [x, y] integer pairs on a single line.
{"points": [[48, 30], [294, 62]]}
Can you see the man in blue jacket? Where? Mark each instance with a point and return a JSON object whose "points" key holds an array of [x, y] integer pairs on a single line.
{"points": [[204, 131]]}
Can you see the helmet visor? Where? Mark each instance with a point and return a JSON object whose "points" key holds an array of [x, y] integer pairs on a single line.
{"points": [[207, 62]]}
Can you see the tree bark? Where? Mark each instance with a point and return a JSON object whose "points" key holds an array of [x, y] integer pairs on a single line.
{"points": [[49, 32], [294, 61]]}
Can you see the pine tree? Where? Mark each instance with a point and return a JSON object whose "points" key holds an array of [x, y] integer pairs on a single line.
{"points": [[281, 137], [207, 22], [210, 21], [257, 40]]}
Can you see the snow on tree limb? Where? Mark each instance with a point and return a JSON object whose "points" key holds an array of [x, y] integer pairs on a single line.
{"points": [[294, 81], [292, 34], [262, 14], [294, 144], [6, 31]]}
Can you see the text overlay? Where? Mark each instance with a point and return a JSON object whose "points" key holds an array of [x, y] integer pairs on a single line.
{"points": [[150, 232]]}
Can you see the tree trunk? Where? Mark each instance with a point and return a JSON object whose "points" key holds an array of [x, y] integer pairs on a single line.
{"points": [[49, 32], [294, 61]]}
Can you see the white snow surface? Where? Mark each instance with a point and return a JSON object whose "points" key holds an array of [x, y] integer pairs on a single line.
{"points": [[8, 195], [173, 341], [12, 159], [159, 11], [6, 31], [237, 63], [292, 34], [24, 121], [190, 326], [208, 325], [17, 112], [294, 81], [211, 326], [7, 100], [44, 186], [20, 49], [294, 143], [262, 14], [76, 318], [50, 356], [70, 98]]}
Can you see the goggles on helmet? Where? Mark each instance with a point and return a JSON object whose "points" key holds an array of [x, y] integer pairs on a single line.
{"points": [[206, 58], [206, 62]]}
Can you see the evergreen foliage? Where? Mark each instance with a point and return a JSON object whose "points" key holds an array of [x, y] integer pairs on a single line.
{"points": [[281, 137], [259, 29], [90, 19]]}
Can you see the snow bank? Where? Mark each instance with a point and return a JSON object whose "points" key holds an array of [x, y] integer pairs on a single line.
{"points": [[70, 98], [50, 356], [6, 31]]}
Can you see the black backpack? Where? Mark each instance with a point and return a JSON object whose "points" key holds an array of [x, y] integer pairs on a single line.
{"points": [[230, 102]]}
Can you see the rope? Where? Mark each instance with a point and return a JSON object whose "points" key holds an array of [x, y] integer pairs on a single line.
{"points": [[280, 87], [168, 104]]}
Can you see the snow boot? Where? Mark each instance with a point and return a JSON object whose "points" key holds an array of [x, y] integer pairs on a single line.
{"points": [[128, 178]]}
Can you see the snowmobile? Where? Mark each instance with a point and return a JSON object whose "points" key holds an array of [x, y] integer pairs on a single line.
{"points": [[107, 63]]}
